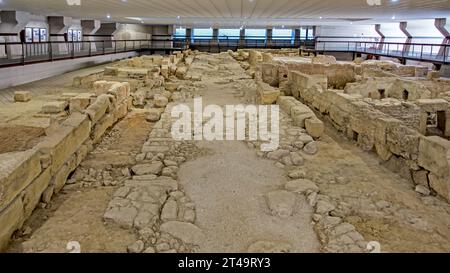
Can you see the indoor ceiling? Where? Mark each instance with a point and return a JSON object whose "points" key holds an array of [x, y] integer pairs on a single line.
{"points": [[235, 13]]}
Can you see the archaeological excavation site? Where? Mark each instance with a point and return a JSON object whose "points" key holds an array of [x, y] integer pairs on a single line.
{"points": [[119, 137]]}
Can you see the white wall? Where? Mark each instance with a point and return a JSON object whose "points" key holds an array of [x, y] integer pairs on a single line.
{"points": [[17, 75]]}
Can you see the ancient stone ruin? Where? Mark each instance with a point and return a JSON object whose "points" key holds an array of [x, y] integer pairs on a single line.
{"points": [[364, 155]]}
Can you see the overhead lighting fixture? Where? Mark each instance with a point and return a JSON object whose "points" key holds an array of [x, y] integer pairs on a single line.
{"points": [[69, 2], [108, 16]]}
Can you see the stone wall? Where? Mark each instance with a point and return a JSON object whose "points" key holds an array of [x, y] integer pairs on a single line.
{"points": [[33, 176], [424, 160]]}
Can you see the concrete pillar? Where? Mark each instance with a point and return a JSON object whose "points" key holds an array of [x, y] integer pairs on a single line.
{"points": [[269, 36], [444, 29], [242, 37], [403, 28], [188, 36], [89, 28], [106, 33], [12, 22], [215, 35], [58, 26], [382, 36], [297, 37]]}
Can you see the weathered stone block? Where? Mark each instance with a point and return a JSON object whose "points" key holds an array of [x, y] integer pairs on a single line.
{"points": [[32, 194], [22, 96], [441, 185], [98, 108], [434, 155], [100, 128], [11, 219], [54, 107], [80, 102], [17, 171], [314, 127], [66, 140]]}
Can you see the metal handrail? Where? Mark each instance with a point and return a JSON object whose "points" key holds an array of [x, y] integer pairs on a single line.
{"points": [[435, 53]]}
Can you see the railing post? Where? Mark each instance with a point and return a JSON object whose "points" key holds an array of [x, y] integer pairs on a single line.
{"points": [[50, 51], [90, 48], [23, 53], [445, 52], [421, 51], [104, 47], [115, 47], [73, 50]]}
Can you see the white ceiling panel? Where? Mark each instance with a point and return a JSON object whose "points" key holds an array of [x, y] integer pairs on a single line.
{"points": [[234, 13]]}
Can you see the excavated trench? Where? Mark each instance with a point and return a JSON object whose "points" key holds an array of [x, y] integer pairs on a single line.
{"points": [[243, 200]]}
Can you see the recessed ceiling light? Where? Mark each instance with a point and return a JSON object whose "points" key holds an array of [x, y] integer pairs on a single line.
{"points": [[108, 16]]}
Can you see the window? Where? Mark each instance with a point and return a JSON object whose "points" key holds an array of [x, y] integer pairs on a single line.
{"points": [[180, 32], [203, 33], [282, 34], [229, 33], [255, 34]]}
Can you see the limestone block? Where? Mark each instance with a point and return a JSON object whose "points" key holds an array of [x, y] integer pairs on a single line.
{"points": [[270, 74], [286, 103], [172, 86], [254, 57], [421, 71], [80, 102], [181, 72], [324, 59], [300, 81], [60, 177], [82, 153], [120, 91], [165, 71], [403, 141], [383, 151], [121, 110], [66, 140], [441, 185], [32, 194], [11, 219], [111, 71], [267, 94], [433, 105], [22, 96], [267, 57], [101, 126], [300, 113], [160, 101], [17, 171], [54, 107], [433, 75], [314, 127], [154, 115], [97, 109], [434, 155]]}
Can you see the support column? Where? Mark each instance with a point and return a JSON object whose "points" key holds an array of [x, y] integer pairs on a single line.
{"points": [[297, 37], [215, 35], [58, 26], [269, 36], [188, 36], [90, 27], [403, 28], [242, 38], [382, 36], [12, 23], [106, 33], [441, 25]]}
